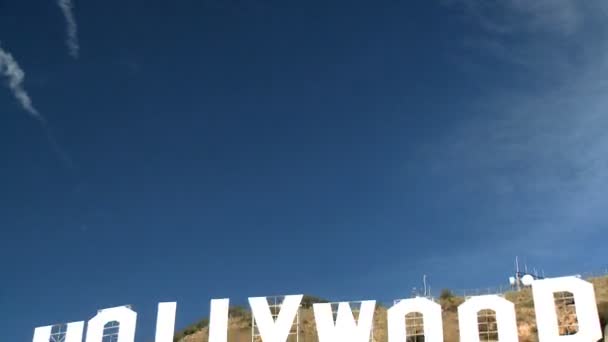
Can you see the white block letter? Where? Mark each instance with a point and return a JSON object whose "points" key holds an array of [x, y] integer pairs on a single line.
{"points": [[272, 331], [505, 318], [73, 333], [431, 315], [165, 322], [126, 317], [586, 310], [345, 328], [218, 322]]}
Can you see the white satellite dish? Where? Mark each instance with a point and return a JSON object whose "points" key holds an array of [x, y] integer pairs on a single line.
{"points": [[512, 280], [527, 280]]}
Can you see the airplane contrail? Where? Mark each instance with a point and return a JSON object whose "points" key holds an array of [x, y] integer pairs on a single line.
{"points": [[10, 69], [67, 7], [15, 75]]}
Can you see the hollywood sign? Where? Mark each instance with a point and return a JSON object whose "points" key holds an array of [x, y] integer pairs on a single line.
{"points": [[346, 329]]}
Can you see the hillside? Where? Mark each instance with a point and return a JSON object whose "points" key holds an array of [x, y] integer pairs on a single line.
{"points": [[240, 319]]}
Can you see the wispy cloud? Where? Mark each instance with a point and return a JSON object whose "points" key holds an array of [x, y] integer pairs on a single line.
{"points": [[10, 69], [538, 35], [534, 155], [512, 16], [67, 7]]}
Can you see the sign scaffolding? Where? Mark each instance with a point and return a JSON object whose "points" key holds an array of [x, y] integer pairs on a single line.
{"points": [[275, 303]]}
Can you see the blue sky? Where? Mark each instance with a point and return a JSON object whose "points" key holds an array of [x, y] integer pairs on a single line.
{"points": [[189, 150]]}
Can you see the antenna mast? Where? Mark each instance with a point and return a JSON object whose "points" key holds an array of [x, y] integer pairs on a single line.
{"points": [[517, 273], [424, 282]]}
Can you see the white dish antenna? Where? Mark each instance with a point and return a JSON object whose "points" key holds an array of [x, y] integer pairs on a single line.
{"points": [[527, 280], [512, 280]]}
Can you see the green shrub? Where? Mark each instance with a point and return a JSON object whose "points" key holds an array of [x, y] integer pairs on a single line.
{"points": [[308, 301], [446, 294], [192, 329], [449, 301], [238, 312]]}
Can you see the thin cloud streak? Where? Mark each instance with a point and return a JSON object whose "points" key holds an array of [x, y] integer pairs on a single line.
{"points": [[67, 7], [10, 69]]}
